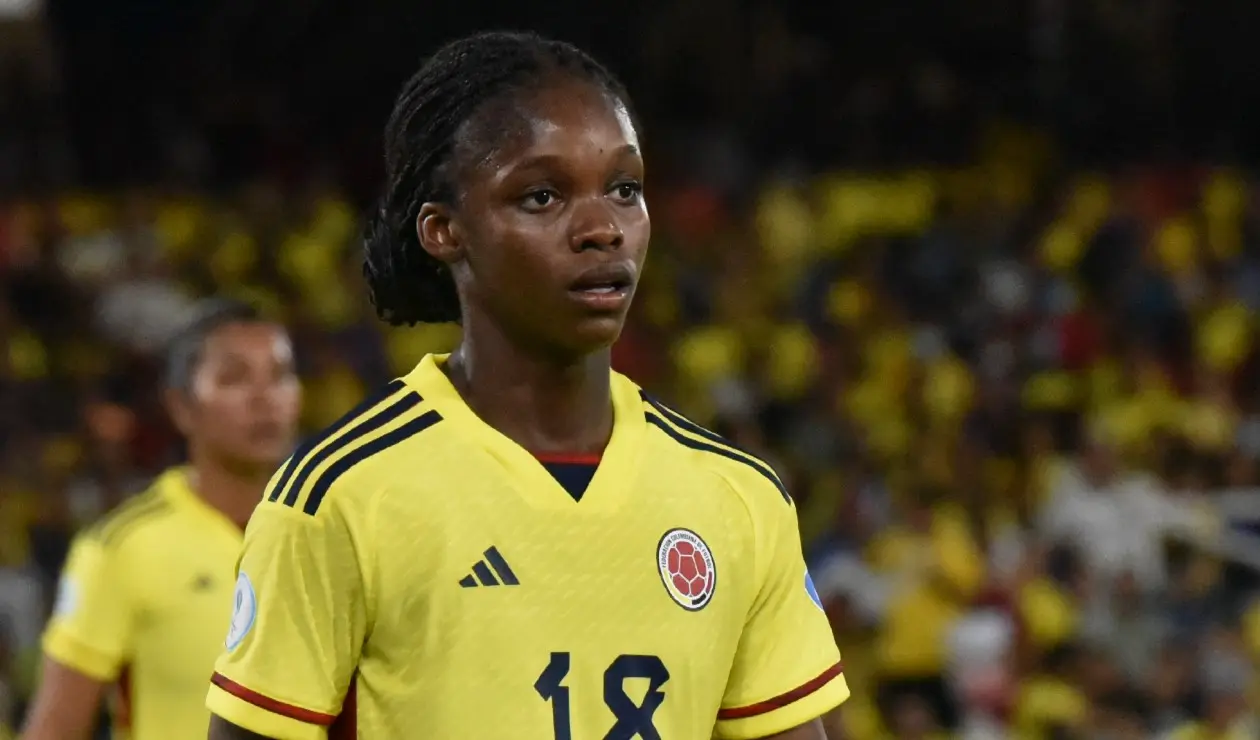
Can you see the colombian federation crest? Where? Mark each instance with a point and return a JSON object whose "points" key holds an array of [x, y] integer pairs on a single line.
{"points": [[686, 566]]}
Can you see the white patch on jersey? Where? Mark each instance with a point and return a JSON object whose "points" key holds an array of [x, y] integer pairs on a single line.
{"points": [[687, 570], [244, 611], [67, 597], [813, 591]]}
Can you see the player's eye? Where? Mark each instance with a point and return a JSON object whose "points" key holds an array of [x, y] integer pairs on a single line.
{"points": [[539, 200], [232, 375], [628, 191]]}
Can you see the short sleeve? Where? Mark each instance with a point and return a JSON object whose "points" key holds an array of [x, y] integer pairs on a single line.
{"points": [[787, 669], [93, 620], [298, 625]]}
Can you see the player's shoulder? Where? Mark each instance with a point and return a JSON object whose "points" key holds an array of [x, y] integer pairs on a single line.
{"points": [[131, 521], [749, 475], [361, 452]]}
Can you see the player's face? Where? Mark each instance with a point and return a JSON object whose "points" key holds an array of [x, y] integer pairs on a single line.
{"points": [[246, 395], [552, 222]]}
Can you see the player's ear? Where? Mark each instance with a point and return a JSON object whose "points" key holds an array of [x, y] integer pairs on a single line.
{"points": [[179, 406], [439, 232]]}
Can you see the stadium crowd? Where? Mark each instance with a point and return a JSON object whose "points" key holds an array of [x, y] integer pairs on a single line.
{"points": [[1018, 413], [1015, 401]]}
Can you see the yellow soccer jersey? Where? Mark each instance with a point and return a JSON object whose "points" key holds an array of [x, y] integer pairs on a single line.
{"points": [[412, 573], [144, 600]]}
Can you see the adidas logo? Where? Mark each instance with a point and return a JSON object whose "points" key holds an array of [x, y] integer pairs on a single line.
{"points": [[493, 571]]}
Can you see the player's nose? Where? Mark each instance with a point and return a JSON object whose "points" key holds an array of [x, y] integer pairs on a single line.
{"points": [[264, 398], [594, 226]]}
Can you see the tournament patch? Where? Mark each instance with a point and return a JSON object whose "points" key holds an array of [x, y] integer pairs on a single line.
{"points": [[812, 590], [687, 570], [67, 597], [244, 610]]}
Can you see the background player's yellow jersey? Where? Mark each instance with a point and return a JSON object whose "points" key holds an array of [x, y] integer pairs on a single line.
{"points": [[412, 573], [145, 599]]}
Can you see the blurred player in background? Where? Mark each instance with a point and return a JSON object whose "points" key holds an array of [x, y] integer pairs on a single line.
{"points": [[146, 593], [513, 541]]}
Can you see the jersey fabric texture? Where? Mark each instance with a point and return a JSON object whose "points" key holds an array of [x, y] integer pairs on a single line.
{"points": [[414, 573], [144, 601]]}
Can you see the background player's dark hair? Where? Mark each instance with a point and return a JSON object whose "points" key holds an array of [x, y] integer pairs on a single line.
{"points": [[183, 351], [407, 284]]}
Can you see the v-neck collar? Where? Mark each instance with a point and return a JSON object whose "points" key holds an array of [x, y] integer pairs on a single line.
{"points": [[614, 477]]}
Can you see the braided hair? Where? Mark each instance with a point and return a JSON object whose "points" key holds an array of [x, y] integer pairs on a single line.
{"points": [[407, 284]]}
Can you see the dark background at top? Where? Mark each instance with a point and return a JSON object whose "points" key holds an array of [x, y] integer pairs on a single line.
{"points": [[301, 87]]}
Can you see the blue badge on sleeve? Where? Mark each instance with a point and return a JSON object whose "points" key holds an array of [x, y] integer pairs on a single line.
{"points": [[812, 591]]}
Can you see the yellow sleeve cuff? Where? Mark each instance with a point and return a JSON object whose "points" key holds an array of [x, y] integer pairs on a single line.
{"points": [[72, 652], [254, 718], [776, 719]]}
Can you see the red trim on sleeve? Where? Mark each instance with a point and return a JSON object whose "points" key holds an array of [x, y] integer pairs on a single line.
{"points": [[561, 458], [269, 704], [782, 700]]}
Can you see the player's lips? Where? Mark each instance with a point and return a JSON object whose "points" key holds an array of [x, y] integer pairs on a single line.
{"points": [[606, 287], [266, 431]]}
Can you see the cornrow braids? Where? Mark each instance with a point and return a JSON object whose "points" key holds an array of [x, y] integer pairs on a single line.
{"points": [[407, 284]]}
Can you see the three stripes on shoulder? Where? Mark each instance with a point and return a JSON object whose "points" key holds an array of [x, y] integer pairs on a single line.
{"points": [[380, 422], [117, 524], [394, 415], [690, 434]]}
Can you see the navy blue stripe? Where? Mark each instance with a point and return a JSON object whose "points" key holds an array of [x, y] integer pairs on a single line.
{"points": [[373, 423], [501, 567], [698, 430], [572, 477], [304, 449], [484, 575], [380, 444], [696, 444]]}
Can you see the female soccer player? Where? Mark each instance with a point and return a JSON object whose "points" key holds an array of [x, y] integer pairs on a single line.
{"points": [[513, 541], [143, 601]]}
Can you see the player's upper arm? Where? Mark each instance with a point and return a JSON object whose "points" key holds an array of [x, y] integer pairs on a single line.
{"points": [[300, 619], [66, 705], [221, 729], [787, 669]]}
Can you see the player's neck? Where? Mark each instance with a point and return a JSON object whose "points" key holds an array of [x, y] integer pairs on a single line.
{"points": [[542, 405], [233, 494]]}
